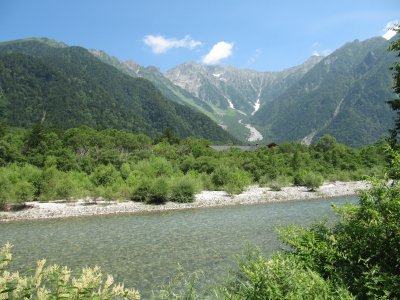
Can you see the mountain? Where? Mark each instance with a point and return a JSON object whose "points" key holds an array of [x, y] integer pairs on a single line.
{"points": [[42, 80], [153, 74], [235, 94], [225, 94], [343, 95]]}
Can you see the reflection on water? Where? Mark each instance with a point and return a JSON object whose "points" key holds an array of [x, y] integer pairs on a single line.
{"points": [[144, 250]]}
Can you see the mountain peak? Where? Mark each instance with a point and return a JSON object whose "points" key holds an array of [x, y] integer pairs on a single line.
{"points": [[50, 42]]}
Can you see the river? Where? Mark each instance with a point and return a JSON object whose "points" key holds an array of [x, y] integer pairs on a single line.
{"points": [[144, 250]]}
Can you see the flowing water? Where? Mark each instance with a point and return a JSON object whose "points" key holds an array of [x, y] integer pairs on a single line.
{"points": [[144, 250]]}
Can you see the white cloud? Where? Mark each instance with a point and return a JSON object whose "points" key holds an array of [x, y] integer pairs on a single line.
{"points": [[314, 45], [389, 31], [160, 44], [218, 52]]}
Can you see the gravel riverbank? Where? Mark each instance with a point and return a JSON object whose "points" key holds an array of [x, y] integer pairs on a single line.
{"points": [[254, 194]]}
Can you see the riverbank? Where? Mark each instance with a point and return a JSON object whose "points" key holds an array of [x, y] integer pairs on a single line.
{"points": [[254, 194]]}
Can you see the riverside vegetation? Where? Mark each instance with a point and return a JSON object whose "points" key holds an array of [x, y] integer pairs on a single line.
{"points": [[358, 258], [49, 164]]}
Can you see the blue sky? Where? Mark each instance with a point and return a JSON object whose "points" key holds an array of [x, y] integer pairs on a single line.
{"points": [[264, 35]]}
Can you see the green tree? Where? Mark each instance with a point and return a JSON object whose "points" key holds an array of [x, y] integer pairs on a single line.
{"points": [[395, 103]]}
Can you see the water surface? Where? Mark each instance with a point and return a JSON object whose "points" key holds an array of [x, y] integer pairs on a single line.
{"points": [[144, 250]]}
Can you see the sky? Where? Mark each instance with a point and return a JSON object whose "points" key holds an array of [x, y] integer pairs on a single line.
{"points": [[265, 35]]}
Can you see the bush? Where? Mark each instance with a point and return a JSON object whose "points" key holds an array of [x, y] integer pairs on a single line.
{"points": [[232, 180], [280, 277], [155, 167], [339, 176], [105, 175], [5, 187], [154, 191], [55, 184], [309, 179], [298, 178], [82, 184], [220, 176], [279, 182], [312, 181], [183, 189], [237, 181], [159, 191], [18, 184], [24, 191], [140, 191]]}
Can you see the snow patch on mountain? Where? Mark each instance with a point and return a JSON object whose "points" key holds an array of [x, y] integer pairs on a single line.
{"points": [[229, 102], [255, 135], [256, 106]]}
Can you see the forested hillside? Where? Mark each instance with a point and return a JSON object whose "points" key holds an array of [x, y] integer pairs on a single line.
{"points": [[344, 95], [63, 87]]}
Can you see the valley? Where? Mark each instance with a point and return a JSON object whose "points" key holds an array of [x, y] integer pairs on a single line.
{"points": [[301, 103]]}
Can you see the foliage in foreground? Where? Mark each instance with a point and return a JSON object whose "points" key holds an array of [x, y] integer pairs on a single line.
{"points": [[358, 257], [280, 277], [57, 282]]}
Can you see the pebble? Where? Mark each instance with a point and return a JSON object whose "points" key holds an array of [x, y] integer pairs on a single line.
{"points": [[252, 195]]}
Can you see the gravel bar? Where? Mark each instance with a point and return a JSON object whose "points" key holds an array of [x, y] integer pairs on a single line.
{"points": [[252, 195]]}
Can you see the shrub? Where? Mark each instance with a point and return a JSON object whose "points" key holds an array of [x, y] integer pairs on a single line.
{"points": [[159, 191], [5, 187], [183, 189], [280, 277], [339, 176], [18, 183], [109, 193], [47, 184], [312, 181], [232, 180], [361, 251], [125, 170], [155, 167], [220, 176], [298, 178], [24, 191], [279, 182], [105, 175], [82, 184], [309, 179], [141, 189], [237, 181]]}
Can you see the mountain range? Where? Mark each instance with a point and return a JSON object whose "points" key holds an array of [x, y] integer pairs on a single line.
{"points": [[342, 94]]}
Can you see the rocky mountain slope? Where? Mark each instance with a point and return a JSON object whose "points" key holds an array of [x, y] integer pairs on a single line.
{"points": [[236, 94]]}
